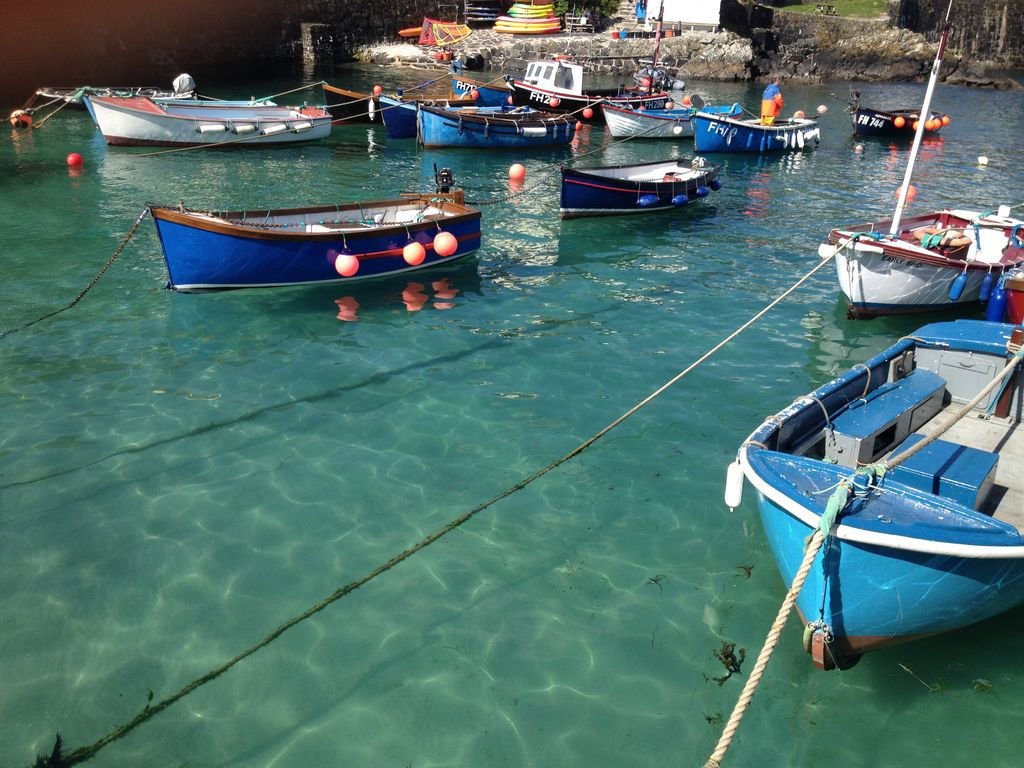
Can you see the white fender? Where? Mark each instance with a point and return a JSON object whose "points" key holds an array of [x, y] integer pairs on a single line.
{"points": [[734, 485]]}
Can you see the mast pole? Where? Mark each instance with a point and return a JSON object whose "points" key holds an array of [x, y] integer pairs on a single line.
{"points": [[921, 120], [657, 43]]}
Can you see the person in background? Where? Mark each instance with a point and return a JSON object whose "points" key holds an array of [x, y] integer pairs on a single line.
{"points": [[641, 11], [771, 101]]}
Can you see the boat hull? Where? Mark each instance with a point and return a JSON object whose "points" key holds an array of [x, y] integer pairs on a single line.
{"points": [[619, 189], [440, 127], [876, 122], [489, 95], [888, 596], [400, 121], [527, 95], [347, 107], [656, 123], [205, 253], [143, 122], [719, 133], [884, 275]]}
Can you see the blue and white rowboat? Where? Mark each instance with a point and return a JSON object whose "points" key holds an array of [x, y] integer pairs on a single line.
{"points": [[926, 542], [720, 133], [621, 189], [493, 128], [210, 250], [676, 123]]}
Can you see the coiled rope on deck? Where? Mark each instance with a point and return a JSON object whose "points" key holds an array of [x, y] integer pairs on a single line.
{"points": [[57, 759], [833, 508]]}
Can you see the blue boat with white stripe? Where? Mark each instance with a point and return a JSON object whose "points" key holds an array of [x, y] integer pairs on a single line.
{"points": [[721, 133], [909, 464], [399, 115], [621, 189], [493, 127]]}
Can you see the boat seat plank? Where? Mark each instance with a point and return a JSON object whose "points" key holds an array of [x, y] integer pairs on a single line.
{"points": [[870, 426]]}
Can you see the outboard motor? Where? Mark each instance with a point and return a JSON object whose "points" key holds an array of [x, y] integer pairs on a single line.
{"points": [[444, 180], [657, 79], [184, 86]]}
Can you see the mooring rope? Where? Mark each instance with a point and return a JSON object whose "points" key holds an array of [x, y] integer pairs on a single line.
{"points": [[833, 508], [80, 296], [57, 759]]}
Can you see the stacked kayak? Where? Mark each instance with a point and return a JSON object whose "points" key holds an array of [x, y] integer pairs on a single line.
{"points": [[529, 18]]}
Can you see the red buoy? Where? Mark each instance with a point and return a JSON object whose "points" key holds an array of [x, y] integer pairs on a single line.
{"points": [[414, 253], [346, 264], [517, 172], [445, 244], [587, 113], [377, 90], [553, 102], [899, 121], [474, 94], [74, 160]]}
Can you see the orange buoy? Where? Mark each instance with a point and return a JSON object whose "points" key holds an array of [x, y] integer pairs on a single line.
{"points": [[414, 253], [445, 244], [899, 121], [474, 94], [377, 90], [911, 192], [509, 100], [687, 101], [669, 104], [517, 172], [553, 102], [916, 124], [346, 264], [945, 120], [588, 113], [74, 160], [799, 115]]}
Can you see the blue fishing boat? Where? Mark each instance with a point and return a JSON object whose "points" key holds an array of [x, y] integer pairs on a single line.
{"points": [[214, 250], [721, 133], [909, 465], [399, 114], [493, 127], [487, 94], [620, 189]]}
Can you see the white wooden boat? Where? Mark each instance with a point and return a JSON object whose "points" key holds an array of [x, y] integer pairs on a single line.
{"points": [[673, 123], [142, 121]]}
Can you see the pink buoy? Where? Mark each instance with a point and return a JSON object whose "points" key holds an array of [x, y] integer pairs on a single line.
{"points": [[509, 100], [414, 253], [822, 109], [645, 82], [74, 160], [517, 172], [346, 264], [859, 149], [445, 244], [799, 115], [670, 104]]}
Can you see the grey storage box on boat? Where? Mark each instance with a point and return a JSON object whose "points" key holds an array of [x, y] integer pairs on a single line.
{"points": [[872, 425]]}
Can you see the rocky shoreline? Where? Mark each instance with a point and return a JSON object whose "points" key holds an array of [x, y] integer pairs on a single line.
{"points": [[805, 50]]}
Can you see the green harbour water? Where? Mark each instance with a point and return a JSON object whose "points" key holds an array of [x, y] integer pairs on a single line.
{"points": [[182, 473]]}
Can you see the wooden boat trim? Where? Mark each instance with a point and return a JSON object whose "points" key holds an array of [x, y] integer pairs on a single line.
{"points": [[217, 221]]}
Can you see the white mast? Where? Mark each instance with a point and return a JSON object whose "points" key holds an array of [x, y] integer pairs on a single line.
{"points": [[921, 120]]}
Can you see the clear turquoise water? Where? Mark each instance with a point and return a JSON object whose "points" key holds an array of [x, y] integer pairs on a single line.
{"points": [[179, 474]]}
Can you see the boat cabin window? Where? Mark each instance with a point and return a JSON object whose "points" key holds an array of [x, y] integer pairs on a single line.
{"points": [[547, 73], [565, 81]]}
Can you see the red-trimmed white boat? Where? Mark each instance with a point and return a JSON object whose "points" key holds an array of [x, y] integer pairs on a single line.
{"points": [[144, 122], [933, 261], [928, 262]]}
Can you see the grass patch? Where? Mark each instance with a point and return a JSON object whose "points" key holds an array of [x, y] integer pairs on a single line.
{"points": [[858, 9]]}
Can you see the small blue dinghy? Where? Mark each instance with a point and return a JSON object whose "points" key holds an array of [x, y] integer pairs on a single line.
{"points": [[493, 127], [910, 464]]}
